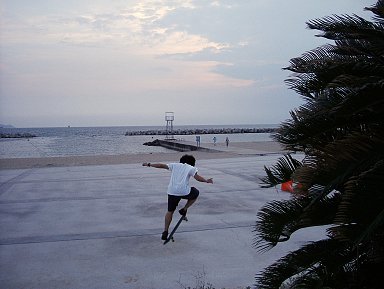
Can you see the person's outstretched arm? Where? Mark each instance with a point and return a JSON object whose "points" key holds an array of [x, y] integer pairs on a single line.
{"points": [[202, 179], [156, 165]]}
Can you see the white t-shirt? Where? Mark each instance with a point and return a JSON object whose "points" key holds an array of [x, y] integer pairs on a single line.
{"points": [[179, 182]]}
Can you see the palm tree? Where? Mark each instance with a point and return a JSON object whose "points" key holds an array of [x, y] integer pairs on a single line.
{"points": [[340, 132]]}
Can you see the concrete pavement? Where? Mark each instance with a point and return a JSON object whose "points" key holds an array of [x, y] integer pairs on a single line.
{"points": [[100, 227]]}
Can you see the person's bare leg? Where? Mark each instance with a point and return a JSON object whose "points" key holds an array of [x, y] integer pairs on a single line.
{"points": [[168, 220], [189, 203]]}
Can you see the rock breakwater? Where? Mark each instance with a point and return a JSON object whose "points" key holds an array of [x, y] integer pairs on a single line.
{"points": [[202, 131], [17, 135]]}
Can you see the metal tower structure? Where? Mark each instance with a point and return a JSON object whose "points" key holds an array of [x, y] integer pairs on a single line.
{"points": [[169, 117]]}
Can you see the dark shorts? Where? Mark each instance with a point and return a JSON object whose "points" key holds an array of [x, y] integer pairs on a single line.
{"points": [[173, 201]]}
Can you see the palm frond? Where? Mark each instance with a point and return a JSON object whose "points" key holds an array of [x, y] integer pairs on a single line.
{"points": [[364, 103], [377, 223], [363, 188], [281, 172], [345, 26], [277, 220], [317, 259], [378, 10]]}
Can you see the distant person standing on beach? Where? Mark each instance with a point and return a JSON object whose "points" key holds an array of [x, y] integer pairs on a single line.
{"points": [[227, 141], [198, 141], [179, 188], [214, 140]]}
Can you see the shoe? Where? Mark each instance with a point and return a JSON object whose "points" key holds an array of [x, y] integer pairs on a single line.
{"points": [[164, 236], [183, 212]]}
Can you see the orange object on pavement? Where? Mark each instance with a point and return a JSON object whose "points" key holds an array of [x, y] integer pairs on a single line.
{"points": [[287, 186]]}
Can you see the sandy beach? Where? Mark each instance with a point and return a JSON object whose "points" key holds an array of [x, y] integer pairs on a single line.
{"points": [[233, 150]]}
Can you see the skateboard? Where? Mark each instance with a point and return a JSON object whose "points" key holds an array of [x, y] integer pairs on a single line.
{"points": [[170, 237]]}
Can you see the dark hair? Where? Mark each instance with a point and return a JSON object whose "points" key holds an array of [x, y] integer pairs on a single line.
{"points": [[188, 159]]}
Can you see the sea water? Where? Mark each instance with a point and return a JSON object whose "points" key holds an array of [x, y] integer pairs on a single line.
{"points": [[88, 141]]}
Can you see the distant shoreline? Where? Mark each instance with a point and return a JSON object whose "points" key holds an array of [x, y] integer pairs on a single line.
{"points": [[262, 147]]}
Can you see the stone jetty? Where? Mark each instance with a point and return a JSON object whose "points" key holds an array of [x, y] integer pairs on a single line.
{"points": [[177, 146], [202, 131]]}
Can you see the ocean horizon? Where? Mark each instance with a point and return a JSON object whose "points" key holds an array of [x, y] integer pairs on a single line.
{"points": [[106, 140]]}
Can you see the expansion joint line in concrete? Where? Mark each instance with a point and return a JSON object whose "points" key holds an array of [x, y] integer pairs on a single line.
{"points": [[4, 187], [110, 235]]}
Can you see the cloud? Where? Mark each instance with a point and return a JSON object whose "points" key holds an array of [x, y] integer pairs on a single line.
{"points": [[138, 32], [137, 28]]}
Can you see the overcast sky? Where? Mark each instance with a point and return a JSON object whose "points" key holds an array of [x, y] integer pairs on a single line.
{"points": [[127, 62]]}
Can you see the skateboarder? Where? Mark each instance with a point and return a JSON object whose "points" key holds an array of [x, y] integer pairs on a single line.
{"points": [[178, 187]]}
